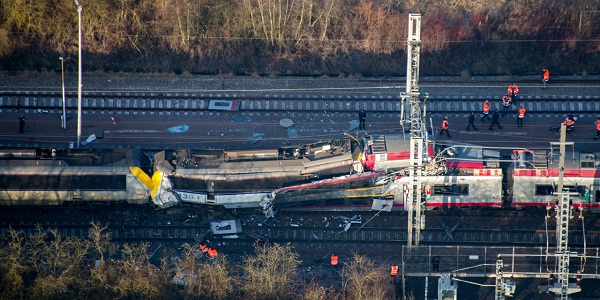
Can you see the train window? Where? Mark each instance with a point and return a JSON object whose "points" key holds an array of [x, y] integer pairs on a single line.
{"points": [[543, 190], [547, 190], [63, 182], [452, 189], [597, 198], [35, 182], [116, 182], [588, 164]]}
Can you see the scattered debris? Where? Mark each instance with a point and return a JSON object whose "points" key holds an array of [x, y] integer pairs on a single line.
{"points": [[228, 227], [292, 132], [42, 111], [257, 137], [90, 139], [354, 125], [240, 118], [115, 120], [178, 129], [287, 123], [356, 219]]}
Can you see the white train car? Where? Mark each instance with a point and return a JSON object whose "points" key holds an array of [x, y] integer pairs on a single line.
{"points": [[55, 176], [536, 178], [482, 188]]}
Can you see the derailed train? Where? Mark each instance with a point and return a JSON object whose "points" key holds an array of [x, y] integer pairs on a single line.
{"points": [[347, 174], [55, 176]]}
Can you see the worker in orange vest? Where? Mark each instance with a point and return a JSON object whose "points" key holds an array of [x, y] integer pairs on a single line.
{"points": [[513, 90], [204, 247], [212, 253], [506, 102], [394, 271], [545, 77], [334, 260], [597, 128], [486, 110], [569, 122], [521, 116], [445, 126]]}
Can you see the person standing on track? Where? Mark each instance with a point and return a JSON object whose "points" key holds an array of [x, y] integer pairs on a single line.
{"points": [[521, 116], [597, 123], [545, 77], [445, 126], [21, 123], [486, 110], [495, 120], [362, 116], [471, 121], [506, 103], [513, 90]]}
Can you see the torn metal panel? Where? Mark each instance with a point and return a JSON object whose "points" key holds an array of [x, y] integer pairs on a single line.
{"points": [[241, 200], [161, 164], [382, 204]]}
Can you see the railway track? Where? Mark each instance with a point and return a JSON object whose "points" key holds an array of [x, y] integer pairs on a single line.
{"points": [[177, 234], [175, 102]]}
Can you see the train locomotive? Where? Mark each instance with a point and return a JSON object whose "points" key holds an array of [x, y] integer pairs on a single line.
{"points": [[55, 176]]}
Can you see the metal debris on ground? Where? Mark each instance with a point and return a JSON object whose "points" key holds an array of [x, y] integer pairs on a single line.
{"points": [[226, 227], [257, 137], [178, 129], [90, 139], [356, 219], [292, 132], [240, 119], [354, 125]]}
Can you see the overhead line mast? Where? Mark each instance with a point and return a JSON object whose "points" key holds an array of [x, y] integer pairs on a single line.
{"points": [[416, 117]]}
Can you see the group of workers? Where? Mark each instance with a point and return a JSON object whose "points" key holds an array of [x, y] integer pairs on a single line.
{"points": [[507, 101], [207, 250], [487, 114]]}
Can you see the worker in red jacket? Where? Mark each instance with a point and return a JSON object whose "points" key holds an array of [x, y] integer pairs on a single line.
{"points": [[334, 260], [506, 103], [486, 111], [545, 77], [597, 123], [445, 126], [212, 253], [513, 90], [394, 271]]}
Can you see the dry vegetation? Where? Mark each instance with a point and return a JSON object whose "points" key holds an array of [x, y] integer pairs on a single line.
{"points": [[48, 266], [303, 37]]}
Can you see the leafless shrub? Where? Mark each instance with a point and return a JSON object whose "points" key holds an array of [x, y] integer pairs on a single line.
{"points": [[363, 280], [270, 273]]}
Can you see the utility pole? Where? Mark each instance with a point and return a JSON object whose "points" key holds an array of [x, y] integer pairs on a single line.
{"points": [[63, 120], [412, 94], [79, 8]]}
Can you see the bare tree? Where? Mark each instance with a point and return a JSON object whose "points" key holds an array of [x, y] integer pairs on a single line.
{"points": [[270, 273], [56, 263], [12, 266], [363, 280], [203, 278]]}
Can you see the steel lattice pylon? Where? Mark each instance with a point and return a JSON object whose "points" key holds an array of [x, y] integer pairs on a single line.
{"points": [[412, 94]]}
